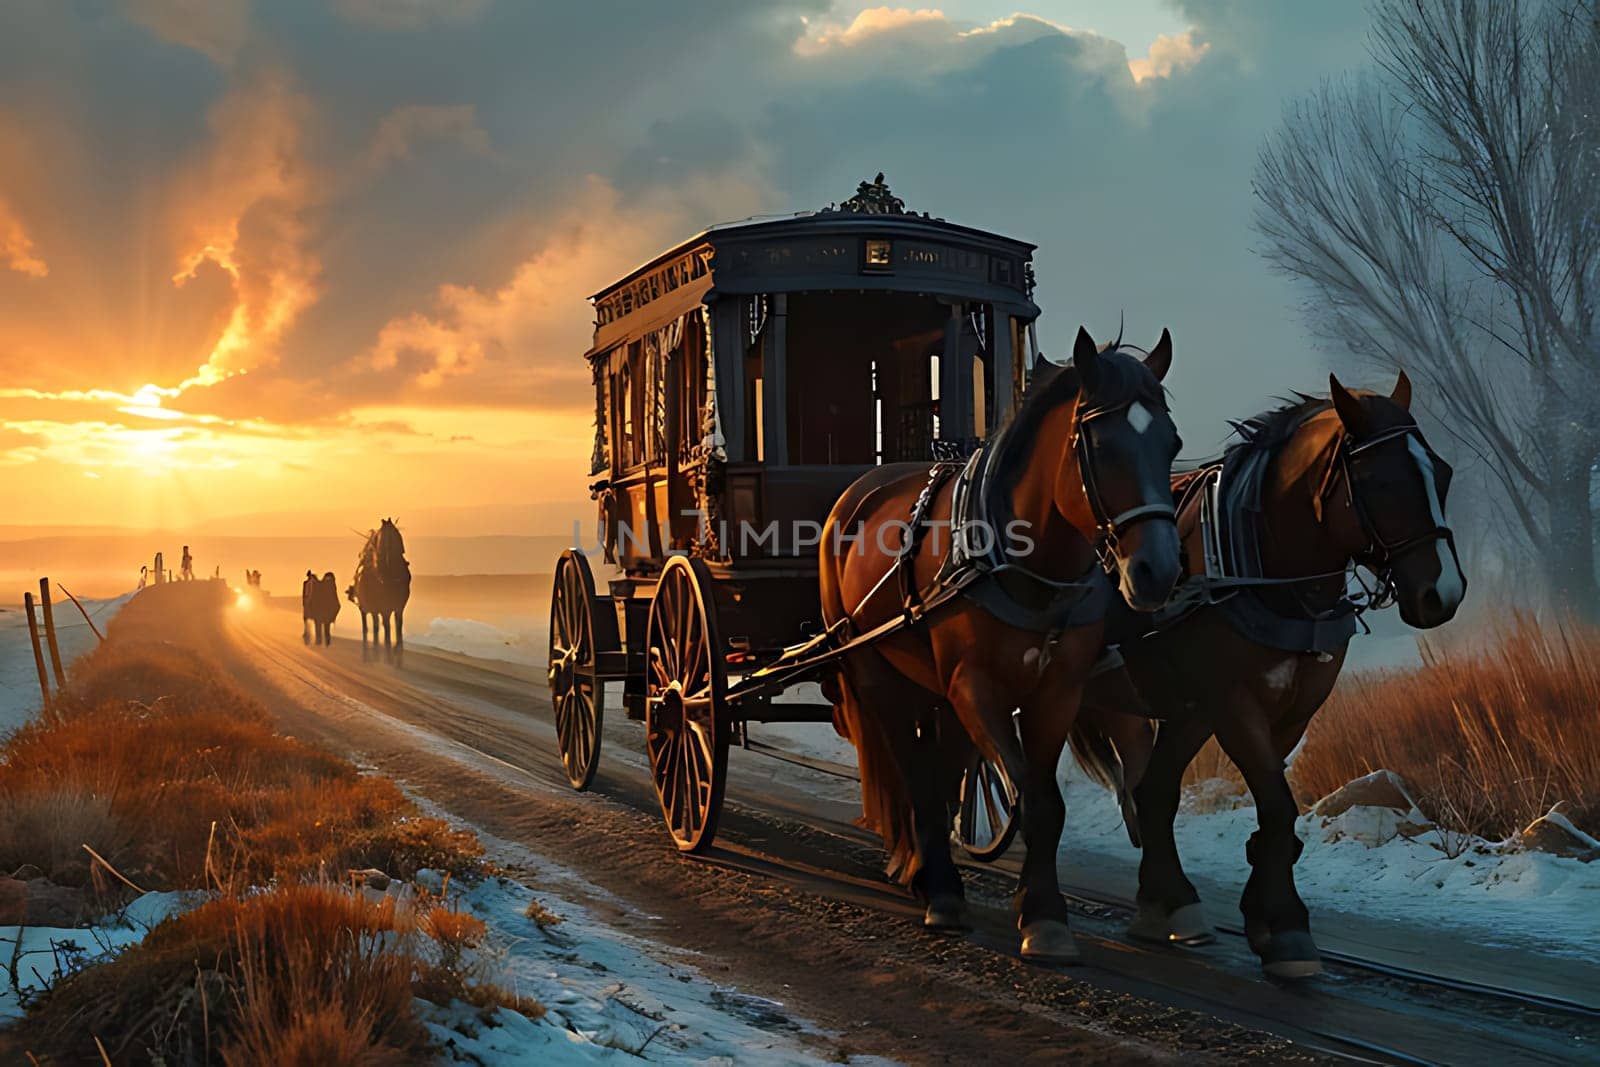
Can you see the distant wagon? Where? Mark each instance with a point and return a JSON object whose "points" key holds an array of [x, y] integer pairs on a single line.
{"points": [[743, 379]]}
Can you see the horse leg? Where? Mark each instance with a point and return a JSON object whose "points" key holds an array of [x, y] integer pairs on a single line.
{"points": [[1046, 719], [900, 789], [399, 627], [387, 647], [1276, 920], [305, 630], [1169, 906]]}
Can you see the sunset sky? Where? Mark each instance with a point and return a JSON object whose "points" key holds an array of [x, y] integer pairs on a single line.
{"points": [[332, 257]]}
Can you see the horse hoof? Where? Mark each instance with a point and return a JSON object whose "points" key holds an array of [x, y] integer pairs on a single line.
{"points": [[1049, 941], [946, 913], [1291, 954], [1185, 925], [1258, 936]]}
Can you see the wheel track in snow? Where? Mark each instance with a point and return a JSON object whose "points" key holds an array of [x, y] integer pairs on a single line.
{"points": [[1432, 1018]]}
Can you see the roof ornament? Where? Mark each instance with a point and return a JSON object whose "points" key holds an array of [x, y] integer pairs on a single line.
{"points": [[874, 198]]}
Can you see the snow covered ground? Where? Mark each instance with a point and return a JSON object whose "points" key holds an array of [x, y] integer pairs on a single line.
{"points": [[19, 681], [1360, 863], [469, 637], [46, 952], [609, 996]]}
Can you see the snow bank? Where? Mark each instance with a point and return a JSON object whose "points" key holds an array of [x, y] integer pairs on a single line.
{"points": [[47, 952], [1376, 862], [469, 637], [610, 997], [19, 681]]}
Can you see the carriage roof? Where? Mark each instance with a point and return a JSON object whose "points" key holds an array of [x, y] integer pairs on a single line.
{"points": [[868, 243]]}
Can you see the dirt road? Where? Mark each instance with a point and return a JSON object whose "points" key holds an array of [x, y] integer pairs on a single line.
{"points": [[791, 905]]}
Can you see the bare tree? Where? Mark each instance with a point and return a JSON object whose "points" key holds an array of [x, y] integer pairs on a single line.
{"points": [[1444, 210]]}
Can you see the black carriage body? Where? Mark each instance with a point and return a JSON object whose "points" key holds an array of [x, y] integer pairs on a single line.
{"points": [[745, 377]]}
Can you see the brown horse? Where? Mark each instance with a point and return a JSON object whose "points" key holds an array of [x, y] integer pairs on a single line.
{"points": [[1337, 483], [1008, 609], [382, 585], [319, 607]]}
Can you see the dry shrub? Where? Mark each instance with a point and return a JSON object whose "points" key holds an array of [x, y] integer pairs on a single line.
{"points": [[159, 786], [299, 975], [1488, 737]]}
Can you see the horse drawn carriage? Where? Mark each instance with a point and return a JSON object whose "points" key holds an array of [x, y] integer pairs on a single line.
{"points": [[743, 379]]}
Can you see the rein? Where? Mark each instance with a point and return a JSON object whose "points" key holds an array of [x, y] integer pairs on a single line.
{"points": [[1110, 527], [1380, 554]]}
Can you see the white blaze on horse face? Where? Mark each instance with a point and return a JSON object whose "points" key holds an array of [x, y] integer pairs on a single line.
{"points": [[1449, 585], [1139, 417]]}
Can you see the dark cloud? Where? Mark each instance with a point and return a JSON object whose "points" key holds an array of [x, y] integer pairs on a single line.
{"points": [[403, 202]]}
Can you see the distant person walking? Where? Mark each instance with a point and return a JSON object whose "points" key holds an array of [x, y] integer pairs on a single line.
{"points": [[187, 572]]}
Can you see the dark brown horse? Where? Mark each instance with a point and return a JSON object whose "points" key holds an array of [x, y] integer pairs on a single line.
{"points": [[382, 585], [319, 607], [1082, 466], [1338, 482]]}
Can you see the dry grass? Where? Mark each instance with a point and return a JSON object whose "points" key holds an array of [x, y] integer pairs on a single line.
{"points": [[308, 974], [161, 786], [1489, 734], [156, 761], [1488, 737]]}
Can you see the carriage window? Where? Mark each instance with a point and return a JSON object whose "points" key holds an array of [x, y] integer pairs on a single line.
{"points": [[625, 435]]}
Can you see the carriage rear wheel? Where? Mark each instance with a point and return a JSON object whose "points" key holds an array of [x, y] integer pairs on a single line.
{"points": [[577, 692], [986, 820], [686, 717]]}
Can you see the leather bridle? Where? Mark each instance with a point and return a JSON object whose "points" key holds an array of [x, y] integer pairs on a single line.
{"points": [[1381, 553], [1111, 527]]}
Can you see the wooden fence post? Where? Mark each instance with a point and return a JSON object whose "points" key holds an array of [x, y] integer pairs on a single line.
{"points": [[68, 594], [38, 653], [50, 634]]}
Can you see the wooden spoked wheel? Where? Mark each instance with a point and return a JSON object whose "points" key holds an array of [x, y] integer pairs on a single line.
{"points": [[576, 691], [986, 820], [686, 723]]}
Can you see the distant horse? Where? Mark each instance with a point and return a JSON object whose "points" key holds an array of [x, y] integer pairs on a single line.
{"points": [[1253, 642], [382, 585], [1012, 629], [319, 607]]}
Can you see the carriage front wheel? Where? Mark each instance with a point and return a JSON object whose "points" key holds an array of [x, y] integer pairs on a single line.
{"points": [[986, 820], [686, 714], [577, 636]]}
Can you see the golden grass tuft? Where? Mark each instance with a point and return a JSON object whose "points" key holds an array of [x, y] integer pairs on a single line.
{"points": [[1489, 736]]}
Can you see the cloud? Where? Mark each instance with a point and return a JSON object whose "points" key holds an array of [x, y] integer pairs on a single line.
{"points": [[241, 209], [532, 326], [403, 129], [1168, 53], [215, 28], [409, 14], [16, 247]]}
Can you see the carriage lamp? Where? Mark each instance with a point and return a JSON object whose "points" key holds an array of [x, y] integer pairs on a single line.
{"points": [[878, 254]]}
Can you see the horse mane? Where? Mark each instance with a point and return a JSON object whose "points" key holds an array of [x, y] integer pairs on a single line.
{"points": [[1271, 429], [1123, 379]]}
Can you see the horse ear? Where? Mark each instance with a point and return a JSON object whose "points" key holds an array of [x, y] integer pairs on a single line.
{"points": [[1351, 413], [1086, 359], [1159, 361], [1402, 391]]}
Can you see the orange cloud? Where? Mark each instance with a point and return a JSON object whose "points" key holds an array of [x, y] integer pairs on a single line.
{"points": [[539, 316], [241, 209], [873, 22], [216, 28], [402, 129], [1168, 53], [16, 247]]}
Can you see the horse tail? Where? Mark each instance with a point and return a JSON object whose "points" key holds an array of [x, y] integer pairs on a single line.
{"points": [[1095, 753], [885, 799]]}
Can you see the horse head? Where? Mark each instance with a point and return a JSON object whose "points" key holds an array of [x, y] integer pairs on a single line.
{"points": [[1124, 442], [1383, 496]]}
